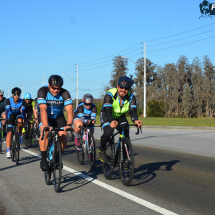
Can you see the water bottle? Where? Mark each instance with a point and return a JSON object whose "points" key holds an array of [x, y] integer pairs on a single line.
{"points": [[51, 149]]}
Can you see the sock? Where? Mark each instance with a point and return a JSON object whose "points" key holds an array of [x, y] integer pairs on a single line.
{"points": [[43, 155], [77, 135], [8, 149]]}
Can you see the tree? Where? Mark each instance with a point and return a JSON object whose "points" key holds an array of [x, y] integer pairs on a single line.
{"points": [[119, 69]]}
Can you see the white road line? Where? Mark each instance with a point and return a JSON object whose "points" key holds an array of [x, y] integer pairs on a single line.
{"points": [[114, 190]]}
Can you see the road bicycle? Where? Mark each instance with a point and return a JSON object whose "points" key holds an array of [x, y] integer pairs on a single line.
{"points": [[123, 155], [54, 158], [1, 134], [28, 134], [87, 146]]}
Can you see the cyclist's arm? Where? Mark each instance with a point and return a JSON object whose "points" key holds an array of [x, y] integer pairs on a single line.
{"points": [[107, 107], [80, 114], [133, 109], [68, 106], [41, 96], [94, 112], [7, 109], [23, 110]]}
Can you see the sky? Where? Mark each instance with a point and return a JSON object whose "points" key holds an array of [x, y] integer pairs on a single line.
{"points": [[40, 38]]}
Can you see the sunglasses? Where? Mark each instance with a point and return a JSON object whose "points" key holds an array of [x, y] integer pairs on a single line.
{"points": [[1, 95], [126, 88], [16, 94], [56, 88], [88, 104]]}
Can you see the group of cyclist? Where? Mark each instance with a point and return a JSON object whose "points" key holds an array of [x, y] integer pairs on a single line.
{"points": [[48, 112]]}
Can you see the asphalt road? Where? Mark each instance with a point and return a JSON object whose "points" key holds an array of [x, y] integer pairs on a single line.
{"points": [[176, 173]]}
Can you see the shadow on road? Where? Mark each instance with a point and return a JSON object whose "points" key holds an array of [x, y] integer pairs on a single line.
{"points": [[146, 172]]}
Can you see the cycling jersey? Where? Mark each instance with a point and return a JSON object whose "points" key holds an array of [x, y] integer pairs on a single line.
{"points": [[112, 110], [2, 105], [55, 104], [29, 106], [14, 109], [85, 114]]}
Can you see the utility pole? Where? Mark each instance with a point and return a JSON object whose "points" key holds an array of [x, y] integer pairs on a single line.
{"points": [[144, 110], [22, 90], [77, 89], [43, 80]]}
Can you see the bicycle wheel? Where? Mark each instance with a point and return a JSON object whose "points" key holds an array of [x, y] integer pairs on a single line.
{"points": [[12, 147], [47, 175], [126, 162], [91, 153], [80, 153], [30, 139], [1, 140], [57, 171], [108, 167], [17, 147]]}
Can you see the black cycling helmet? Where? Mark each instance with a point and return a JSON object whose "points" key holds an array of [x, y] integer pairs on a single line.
{"points": [[56, 80], [16, 90], [87, 98], [125, 82], [2, 92]]}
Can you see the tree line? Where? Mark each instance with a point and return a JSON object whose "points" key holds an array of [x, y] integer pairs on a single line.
{"points": [[181, 89]]}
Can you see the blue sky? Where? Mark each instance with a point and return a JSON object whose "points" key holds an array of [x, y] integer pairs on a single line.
{"points": [[49, 37]]}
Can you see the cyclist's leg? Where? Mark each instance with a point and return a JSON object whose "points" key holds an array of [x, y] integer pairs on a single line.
{"points": [[104, 139], [77, 131], [60, 122], [10, 125], [126, 130], [19, 127], [3, 115]]}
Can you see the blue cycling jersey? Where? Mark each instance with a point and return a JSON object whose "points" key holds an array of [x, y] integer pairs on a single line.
{"points": [[55, 104], [83, 113], [15, 109]]}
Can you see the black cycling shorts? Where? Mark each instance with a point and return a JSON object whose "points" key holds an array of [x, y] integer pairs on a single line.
{"points": [[13, 118], [57, 122], [29, 115]]}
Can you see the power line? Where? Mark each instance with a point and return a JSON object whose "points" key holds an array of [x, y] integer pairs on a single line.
{"points": [[179, 33], [181, 44]]}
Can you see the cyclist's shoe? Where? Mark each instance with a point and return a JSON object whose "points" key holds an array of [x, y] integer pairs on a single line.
{"points": [[102, 156], [44, 165], [8, 155]]}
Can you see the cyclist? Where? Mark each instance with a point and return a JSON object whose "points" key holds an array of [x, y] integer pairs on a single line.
{"points": [[29, 107], [52, 100], [85, 113], [117, 102], [15, 110], [2, 108]]}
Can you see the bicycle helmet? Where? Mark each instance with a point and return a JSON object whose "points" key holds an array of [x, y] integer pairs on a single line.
{"points": [[2, 92], [16, 90], [27, 96], [56, 80], [87, 98], [125, 82]]}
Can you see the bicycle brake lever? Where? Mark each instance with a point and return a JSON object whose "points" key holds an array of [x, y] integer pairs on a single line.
{"points": [[137, 131]]}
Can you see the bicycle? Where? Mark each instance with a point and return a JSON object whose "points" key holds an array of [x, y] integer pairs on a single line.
{"points": [[85, 147], [28, 134], [1, 134], [54, 159], [124, 154], [15, 145]]}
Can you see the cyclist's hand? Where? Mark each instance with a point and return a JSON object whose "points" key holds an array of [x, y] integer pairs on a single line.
{"points": [[93, 121], [89, 121], [67, 127], [113, 124], [42, 128], [138, 123]]}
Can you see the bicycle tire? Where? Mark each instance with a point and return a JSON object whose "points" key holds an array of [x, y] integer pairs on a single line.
{"points": [[108, 167], [17, 147], [57, 171], [126, 166], [12, 151], [30, 139], [47, 175], [1, 140], [80, 153], [91, 155]]}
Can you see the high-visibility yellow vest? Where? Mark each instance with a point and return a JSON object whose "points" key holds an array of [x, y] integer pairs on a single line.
{"points": [[117, 111]]}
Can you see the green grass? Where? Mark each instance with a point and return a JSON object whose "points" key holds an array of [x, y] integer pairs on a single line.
{"points": [[162, 121]]}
